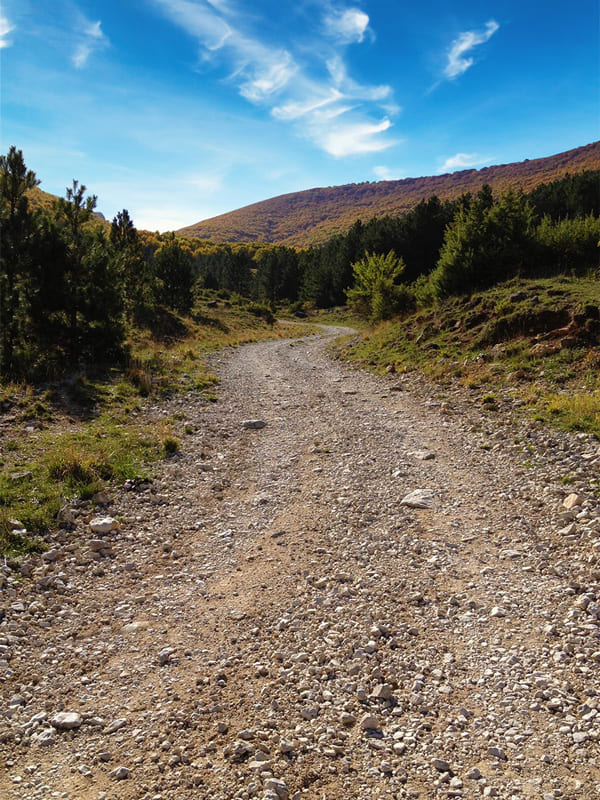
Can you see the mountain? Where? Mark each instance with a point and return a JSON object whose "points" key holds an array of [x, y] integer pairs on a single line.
{"points": [[314, 215], [40, 199]]}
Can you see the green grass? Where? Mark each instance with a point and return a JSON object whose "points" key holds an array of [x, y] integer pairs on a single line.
{"points": [[61, 466], [92, 431], [500, 341], [575, 411]]}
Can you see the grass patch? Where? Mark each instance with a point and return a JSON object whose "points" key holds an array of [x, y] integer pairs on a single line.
{"points": [[92, 431], [58, 467], [537, 340], [170, 446], [578, 411]]}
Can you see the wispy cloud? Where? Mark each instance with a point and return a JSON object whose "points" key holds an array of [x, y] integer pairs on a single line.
{"points": [[90, 38], [350, 88], [268, 76], [463, 161], [351, 138], [5, 29], [295, 109], [458, 61], [308, 88], [385, 174], [201, 20], [347, 25]]}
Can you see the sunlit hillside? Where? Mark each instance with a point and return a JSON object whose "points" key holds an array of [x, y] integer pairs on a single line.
{"points": [[314, 215]]}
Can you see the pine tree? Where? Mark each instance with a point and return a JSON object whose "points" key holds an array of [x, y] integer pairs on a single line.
{"points": [[16, 231], [375, 291]]}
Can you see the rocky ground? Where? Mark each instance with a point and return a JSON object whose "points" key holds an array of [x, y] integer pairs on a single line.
{"points": [[374, 595]]}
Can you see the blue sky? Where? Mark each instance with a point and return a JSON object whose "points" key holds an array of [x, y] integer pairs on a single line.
{"points": [[179, 110]]}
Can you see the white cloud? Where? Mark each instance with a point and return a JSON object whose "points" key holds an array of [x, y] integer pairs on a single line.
{"points": [[308, 92], [268, 79], [347, 25], [458, 62], [384, 174], [220, 5], [5, 29], [354, 138], [301, 108], [199, 20], [352, 89], [463, 161], [90, 38]]}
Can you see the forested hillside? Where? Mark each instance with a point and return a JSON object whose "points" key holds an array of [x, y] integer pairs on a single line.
{"points": [[313, 216]]}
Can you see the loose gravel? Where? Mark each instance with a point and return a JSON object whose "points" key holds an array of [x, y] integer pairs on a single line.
{"points": [[339, 588]]}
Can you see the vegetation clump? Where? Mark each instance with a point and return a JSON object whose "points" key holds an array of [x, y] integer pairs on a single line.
{"points": [[529, 343], [376, 294]]}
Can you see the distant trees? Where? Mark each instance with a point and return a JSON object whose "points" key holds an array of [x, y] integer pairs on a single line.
{"points": [[416, 237], [173, 272], [487, 242], [571, 196], [568, 245], [275, 274]]}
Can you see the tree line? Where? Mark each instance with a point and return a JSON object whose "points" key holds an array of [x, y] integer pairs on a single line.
{"points": [[71, 285], [454, 247]]}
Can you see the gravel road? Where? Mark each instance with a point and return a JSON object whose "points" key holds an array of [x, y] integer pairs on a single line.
{"points": [[372, 595]]}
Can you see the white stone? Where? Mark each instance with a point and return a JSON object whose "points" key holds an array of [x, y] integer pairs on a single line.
{"points": [[419, 498], [382, 692], [277, 786], [104, 524], [572, 500], [66, 720], [369, 722], [253, 424], [120, 774]]}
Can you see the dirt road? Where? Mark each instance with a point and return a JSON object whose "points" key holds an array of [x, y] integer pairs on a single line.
{"points": [[279, 615]]}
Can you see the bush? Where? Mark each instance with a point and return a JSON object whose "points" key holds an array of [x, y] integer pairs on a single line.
{"points": [[170, 446], [487, 242], [261, 310], [569, 245], [375, 294]]}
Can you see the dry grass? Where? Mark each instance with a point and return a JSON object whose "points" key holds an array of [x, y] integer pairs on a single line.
{"points": [[93, 431]]}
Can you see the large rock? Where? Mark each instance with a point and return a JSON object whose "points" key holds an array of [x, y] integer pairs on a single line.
{"points": [[572, 501], [103, 524], [253, 424], [66, 720], [369, 722], [420, 498]]}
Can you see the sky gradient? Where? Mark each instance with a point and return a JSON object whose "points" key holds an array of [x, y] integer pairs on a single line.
{"points": [[179, 110]]}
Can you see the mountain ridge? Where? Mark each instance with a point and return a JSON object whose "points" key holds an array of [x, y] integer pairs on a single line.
{"points": [[312, 216]]}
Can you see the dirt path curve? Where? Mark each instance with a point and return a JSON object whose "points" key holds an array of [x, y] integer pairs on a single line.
{"points": [[271, 621]]}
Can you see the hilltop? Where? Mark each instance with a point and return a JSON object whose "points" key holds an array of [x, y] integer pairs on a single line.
{"points": [[314, 215], [39, 199]]}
